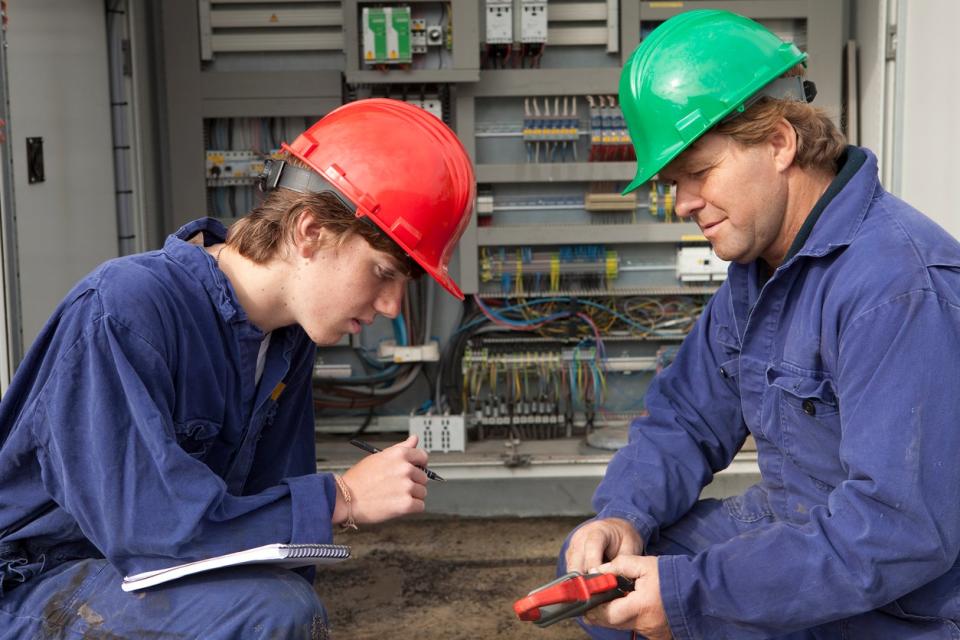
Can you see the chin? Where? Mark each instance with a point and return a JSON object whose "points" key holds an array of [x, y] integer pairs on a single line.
{"points": [[327, 339]]}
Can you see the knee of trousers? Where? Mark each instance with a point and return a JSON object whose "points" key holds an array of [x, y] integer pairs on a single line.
{"points": [[275, 597]]}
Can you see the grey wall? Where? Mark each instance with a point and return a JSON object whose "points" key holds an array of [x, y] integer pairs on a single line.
{"points": [[57, 59], [869, 30], [927, 132]]}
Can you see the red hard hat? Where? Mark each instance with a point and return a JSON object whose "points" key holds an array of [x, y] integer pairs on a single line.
{"points": [[403, 169]]}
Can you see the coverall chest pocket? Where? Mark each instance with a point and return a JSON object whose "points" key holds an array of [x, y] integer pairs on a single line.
{"points": [[196, 436], [809, 422]]}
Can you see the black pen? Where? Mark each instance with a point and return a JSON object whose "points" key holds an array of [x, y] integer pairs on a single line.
{"points": [[369, 448]]}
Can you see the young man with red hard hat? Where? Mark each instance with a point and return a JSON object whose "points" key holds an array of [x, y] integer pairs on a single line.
{"points": [[833, 342], [165, 412]]}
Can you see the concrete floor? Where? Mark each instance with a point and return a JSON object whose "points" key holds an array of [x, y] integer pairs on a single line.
{"points": [[447, 578]]}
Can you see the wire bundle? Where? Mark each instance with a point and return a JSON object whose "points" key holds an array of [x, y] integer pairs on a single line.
{"points": [[581, 322]]}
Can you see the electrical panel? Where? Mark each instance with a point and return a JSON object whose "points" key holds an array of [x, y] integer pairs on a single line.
{"points": [[577, 295]]}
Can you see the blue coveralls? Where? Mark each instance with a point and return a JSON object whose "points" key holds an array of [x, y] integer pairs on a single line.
{"points": [[134, 437], [844, 365]]}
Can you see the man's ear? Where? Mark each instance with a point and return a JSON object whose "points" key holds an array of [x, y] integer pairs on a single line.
{"points": [[783, 142], [308, 235]]}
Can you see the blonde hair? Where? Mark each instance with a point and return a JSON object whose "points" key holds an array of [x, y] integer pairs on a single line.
{"points": [[819, 142], [264, 233]]}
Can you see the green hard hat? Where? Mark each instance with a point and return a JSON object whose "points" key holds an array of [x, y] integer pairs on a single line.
{"points": [[689, 73]]}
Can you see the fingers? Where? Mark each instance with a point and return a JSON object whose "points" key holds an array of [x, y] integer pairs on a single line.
{"points": [[389, 484], [574, 556], [629, 566], [416, 457], [594, 542], [642, 610], [596, 548], [621, 613], [418, 491], [586, 547], [418, 475], [618, 614]]}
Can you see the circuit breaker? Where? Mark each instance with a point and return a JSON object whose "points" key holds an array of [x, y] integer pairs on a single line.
{"points": [[387, 35], [533, 21], [229, 167], [499, 22]]}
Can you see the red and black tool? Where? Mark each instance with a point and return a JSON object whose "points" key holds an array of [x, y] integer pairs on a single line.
{"points": [[570, 596]]}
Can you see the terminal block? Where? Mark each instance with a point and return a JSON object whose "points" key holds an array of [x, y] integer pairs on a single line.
{"points": [[440, 433]]}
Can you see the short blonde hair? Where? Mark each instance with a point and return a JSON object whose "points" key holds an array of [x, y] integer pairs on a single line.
{"points": [[262, 234], [820, 144]]}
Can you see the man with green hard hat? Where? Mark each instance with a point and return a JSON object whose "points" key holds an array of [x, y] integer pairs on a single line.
{"points": [[834, 342]]}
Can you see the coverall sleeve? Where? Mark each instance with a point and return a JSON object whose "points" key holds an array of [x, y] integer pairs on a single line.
{"points": [[890, 527], [110, 458], [694, 429]]}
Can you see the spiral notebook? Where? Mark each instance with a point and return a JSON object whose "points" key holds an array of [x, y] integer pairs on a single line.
{"points": [[286, 555]]}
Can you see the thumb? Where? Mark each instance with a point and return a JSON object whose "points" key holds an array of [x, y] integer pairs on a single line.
{"points": [[410, 442]]}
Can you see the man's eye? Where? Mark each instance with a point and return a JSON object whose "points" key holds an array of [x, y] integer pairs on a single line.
{"points": [[384, 274]]}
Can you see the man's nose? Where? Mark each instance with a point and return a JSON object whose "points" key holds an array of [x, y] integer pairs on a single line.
{"points": [[390, 299], [688, 202]]}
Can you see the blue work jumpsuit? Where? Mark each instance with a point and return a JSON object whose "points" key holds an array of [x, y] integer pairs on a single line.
{"points": [[844, 365], [134, 436]]}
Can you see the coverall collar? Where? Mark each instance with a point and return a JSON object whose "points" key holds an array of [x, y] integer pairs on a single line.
{"points": [[841, 209], [197, 261]]}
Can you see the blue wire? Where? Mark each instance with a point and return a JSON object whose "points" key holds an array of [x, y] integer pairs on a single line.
{"points": [[400, 330]]}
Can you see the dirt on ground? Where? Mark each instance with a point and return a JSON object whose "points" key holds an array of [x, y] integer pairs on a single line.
{"points": [[435, 578]]}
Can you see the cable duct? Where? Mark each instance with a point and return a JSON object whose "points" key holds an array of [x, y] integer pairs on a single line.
{"points": [[117, 44]]}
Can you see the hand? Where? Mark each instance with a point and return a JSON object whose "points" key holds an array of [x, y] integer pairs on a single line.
{"points": [[642, 610], [385, 485], [595, 543]]}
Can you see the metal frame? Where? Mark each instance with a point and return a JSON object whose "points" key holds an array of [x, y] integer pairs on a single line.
{"points": [[11, 344]]}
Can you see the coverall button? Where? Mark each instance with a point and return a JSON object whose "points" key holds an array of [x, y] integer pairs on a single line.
{"points": [[809, 408], [724, 373]]}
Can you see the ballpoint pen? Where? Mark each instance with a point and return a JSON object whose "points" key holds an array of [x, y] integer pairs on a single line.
{"points": [[369, 448]]}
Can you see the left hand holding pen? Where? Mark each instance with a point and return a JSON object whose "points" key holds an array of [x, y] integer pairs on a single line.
{"points": [[642, 610], [386, 484]]}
